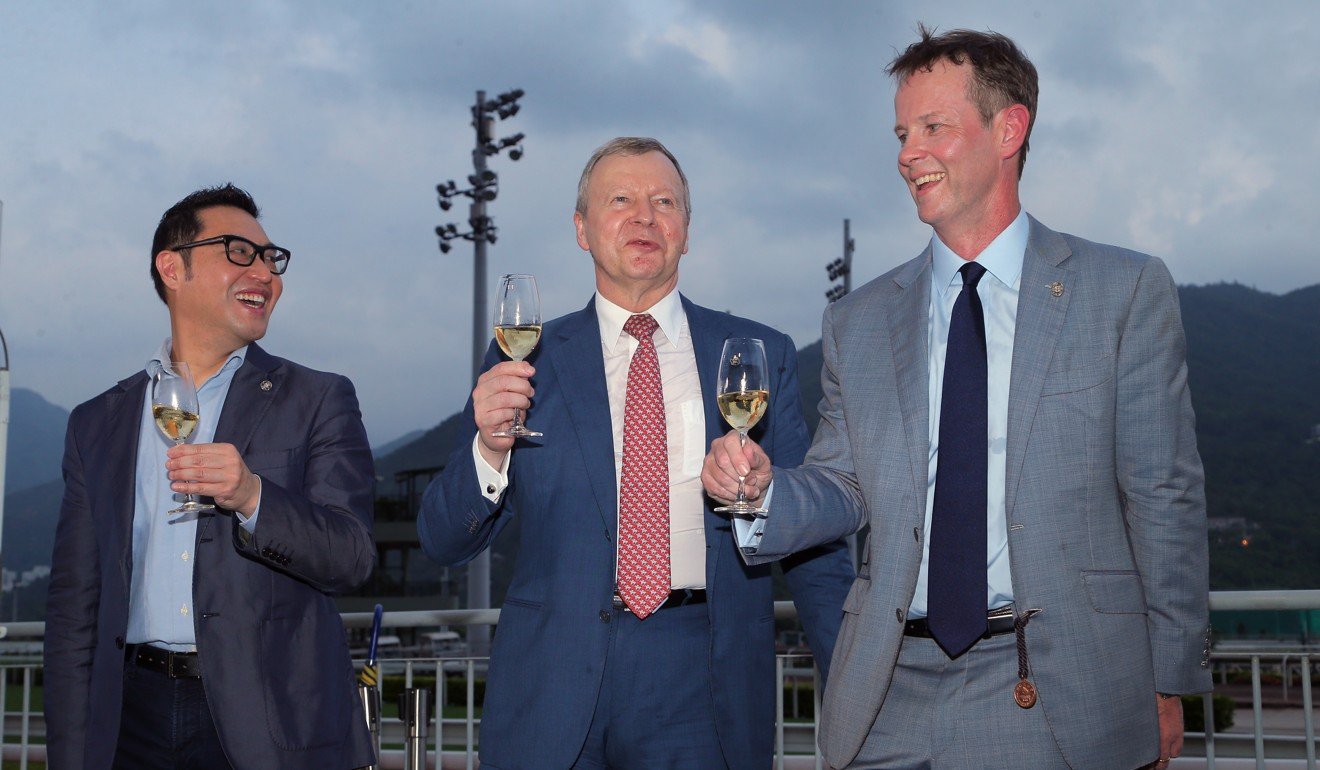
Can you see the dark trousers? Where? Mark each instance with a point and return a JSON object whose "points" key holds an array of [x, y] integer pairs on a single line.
{"points": [[655, 710], [166, 725]]}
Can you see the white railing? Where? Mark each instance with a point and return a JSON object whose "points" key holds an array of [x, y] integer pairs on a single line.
{"points": [[458, 736]]}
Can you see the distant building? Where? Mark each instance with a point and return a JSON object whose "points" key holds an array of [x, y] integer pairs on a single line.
{"points": [[1231, 530], [404, 578]]}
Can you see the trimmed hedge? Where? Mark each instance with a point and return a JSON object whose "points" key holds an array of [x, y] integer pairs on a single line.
{"points": [[1194, 713]]}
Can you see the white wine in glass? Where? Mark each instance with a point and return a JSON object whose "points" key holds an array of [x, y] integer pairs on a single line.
{"points": [[517, 330], [742, 394], [174, 407]]}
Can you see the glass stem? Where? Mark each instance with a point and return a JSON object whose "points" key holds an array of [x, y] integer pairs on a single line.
{"points": [[187, 496], [517, 420], [742, 494]]}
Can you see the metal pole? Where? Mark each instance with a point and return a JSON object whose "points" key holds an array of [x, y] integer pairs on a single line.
{"points": [[847, 257], [478, 570], [857, 540], [412, 708], [4, 421], [481, 327], [371, 709]]}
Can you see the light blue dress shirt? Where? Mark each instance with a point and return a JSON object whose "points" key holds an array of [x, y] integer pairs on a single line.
{"points": [[160, 595], [998, 291]]}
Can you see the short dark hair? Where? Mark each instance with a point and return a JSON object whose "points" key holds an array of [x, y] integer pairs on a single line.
{"points": [[630, 145], [1002, 75], [180, 223]]}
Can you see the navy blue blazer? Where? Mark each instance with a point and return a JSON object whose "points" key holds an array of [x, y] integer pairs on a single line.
{"points": [[271, 644], [550, 646]]}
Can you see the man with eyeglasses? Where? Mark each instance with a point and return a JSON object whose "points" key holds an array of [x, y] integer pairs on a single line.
{"points": [[210, 641]]}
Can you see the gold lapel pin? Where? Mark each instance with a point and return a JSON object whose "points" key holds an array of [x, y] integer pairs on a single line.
{"points": [[1056, 289], [267, 385]]}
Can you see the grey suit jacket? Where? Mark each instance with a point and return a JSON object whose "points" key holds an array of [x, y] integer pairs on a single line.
{"points": [[1105, 494]]}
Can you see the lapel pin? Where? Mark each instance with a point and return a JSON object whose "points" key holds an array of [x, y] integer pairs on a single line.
{"points": [[266, 384], [1056, 289]]}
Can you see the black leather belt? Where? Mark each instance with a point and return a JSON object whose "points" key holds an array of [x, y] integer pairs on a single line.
{"points": [[678, 597], [998, 622], [175, 665]]}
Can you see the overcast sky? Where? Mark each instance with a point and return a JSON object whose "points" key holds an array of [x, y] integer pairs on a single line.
{"points": [[1190, 136]]}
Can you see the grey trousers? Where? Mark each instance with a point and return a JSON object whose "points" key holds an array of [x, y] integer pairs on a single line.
{"points": [[943, 714]]}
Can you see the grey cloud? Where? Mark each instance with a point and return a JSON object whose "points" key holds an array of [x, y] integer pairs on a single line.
{"points": [[1188, 134]]}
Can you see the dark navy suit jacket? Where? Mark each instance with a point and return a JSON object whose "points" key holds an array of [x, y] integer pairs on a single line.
{"points": [[272, 648], [550, 646]]}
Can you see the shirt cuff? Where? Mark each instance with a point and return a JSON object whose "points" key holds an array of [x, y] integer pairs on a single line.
{"points": [[493, 481], [747, 533], [250, 522]]}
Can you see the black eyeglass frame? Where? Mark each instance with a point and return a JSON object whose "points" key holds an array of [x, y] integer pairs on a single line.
{"points": [[257, 250]]}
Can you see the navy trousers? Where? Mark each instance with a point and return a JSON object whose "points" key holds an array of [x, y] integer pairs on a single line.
{"points": [[655, 710], [166, 725]]}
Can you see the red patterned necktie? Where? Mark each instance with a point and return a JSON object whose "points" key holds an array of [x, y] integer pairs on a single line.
{"points": [[644, 480]]}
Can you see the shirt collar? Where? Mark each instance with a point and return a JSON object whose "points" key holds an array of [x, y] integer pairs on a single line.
{"points": [[668, 313], [1002, 258], [162, 356]]}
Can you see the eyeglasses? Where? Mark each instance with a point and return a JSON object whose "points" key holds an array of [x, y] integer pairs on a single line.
{"points": [[243, 252]]}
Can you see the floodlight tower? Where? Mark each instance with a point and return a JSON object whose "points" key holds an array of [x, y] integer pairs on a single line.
{"points": [[841, 268], [484, 188], [4, 414]]}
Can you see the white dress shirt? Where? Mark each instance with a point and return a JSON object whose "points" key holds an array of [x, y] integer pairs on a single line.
{"points": [[685, 423], [998, 291]]}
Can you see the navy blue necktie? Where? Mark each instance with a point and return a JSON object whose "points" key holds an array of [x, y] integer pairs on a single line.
{"points": [[956, 585]]}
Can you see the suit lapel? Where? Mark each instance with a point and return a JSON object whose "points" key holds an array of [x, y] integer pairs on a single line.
{"points": [[245, 406], [578, 368], [249, 398], [708, 335], [909, 336], [123, 430], [708, 338], [1040, 317]]}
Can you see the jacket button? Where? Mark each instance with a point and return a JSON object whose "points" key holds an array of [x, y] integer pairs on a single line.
{"points": [[119, 642], [916, 534], [898, 613], [604, 616]]}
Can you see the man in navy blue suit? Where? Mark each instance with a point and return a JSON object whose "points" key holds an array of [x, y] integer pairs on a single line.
{"points": [[209, 641], [632, 635]]}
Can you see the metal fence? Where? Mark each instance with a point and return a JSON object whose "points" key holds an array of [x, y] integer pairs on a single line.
{"points": [[1280, 678]]}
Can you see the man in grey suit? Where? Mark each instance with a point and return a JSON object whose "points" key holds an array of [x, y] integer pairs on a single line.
{"points": [[1009, 413]]}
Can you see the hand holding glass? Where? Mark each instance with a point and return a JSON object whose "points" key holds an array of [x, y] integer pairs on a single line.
{"points": [[174, 407], [517, 330], [743, 393]]}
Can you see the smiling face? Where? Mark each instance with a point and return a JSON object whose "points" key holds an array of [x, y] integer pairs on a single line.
{"points": [[213, 302], [961, 173], [635, 227]]}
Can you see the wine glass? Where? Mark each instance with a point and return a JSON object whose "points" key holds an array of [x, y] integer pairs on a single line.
{"points": [[742, 393], [517, 330], [174, 407]]}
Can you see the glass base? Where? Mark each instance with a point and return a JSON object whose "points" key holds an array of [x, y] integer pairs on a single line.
{"points": [[192, 506], [743, 509], [517, 431]]}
